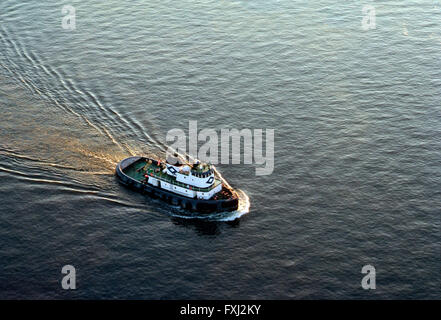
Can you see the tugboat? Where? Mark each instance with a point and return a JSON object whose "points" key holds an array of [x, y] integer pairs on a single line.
{"points": [[194, 187]]}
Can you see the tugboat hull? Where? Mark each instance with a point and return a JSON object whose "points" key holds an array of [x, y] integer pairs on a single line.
{"points": [[191, 204]]}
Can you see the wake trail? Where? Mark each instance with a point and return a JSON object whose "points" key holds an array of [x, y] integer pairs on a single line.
{"points": [[36, 63]]}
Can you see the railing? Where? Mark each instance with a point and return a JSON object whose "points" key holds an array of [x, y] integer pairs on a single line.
{"points": [[183, 185]]}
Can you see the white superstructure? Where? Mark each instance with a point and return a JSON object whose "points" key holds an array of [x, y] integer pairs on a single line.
{"points": [[193, 181]]}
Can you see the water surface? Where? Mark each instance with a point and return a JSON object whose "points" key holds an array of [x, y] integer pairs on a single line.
{"points": [[357, 169]]}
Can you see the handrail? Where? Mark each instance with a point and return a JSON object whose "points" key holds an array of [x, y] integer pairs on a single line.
{"points": [[183, 185]]}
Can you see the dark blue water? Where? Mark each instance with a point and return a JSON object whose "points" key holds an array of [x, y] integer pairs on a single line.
{"points": [[357, 147]]}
